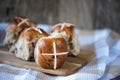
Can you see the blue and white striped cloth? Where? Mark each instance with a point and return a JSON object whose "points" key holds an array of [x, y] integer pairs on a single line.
{"points": [[104, 66]]}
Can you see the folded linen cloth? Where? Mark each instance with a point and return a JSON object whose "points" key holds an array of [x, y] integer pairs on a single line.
{"points": [[104, 66]]}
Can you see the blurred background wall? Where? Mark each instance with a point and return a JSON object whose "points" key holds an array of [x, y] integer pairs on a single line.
{"points": [[85, 14]]}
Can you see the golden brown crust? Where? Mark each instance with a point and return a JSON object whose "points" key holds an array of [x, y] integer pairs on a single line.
{"points": [[68, 28], [45, 46], [13, 26], [30, 34], [60, 42], [27, 41], [47, 62]]}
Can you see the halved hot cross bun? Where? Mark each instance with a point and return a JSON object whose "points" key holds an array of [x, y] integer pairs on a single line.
{"points": [[67, 31], [24, 47], [15, 27]]}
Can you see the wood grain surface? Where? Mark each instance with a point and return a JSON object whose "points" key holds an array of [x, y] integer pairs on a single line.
{"points": [[71, 65]]}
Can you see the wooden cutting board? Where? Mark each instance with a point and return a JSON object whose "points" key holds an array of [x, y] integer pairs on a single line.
{"points": [[71, 65]]}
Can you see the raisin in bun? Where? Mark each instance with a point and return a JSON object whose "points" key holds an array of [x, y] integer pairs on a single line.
{"points": [[27, 41], [67, 31], [51, 52], [15, 27]]}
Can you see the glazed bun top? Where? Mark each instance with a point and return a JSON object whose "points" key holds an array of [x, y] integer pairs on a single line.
{"points": [[68, 28], [32, 33], [20, 23], [46, 45]]}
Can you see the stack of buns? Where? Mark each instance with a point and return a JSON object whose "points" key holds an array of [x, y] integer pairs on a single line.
{"points": [[49, 51]]}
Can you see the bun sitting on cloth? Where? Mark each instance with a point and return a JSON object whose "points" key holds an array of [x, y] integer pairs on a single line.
{"points": [[27, 41], [67, 31], [51, 52], [15, 27]]}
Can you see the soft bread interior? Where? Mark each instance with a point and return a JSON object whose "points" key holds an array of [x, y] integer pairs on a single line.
{"points": [[10, 38], [22, 49], [76, 47]]}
